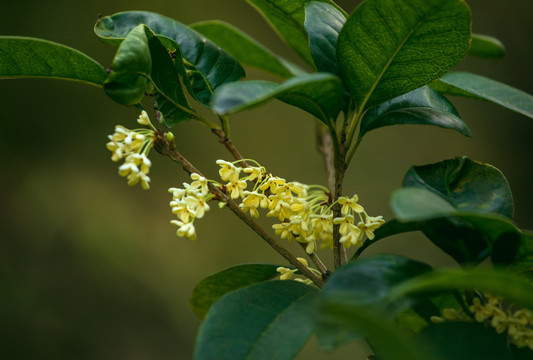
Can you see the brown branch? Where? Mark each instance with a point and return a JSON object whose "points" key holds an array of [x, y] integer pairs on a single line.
{"points": [[229, 145], [339, 251], [318, 263], [324, 146], [162, 146]]}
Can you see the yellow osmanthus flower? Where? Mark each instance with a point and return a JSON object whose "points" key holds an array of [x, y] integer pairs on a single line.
{"points": [[515, 322], [304, 211], [133, 146]]}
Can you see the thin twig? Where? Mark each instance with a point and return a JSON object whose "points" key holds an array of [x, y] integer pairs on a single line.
{"points": [[325, 147], [229, 145], [162, 146], [318, 263], [339, 251]]}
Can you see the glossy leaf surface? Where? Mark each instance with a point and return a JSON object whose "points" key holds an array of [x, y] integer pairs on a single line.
{"points": [[512, 287], [418, 204], [129, 79], [387, 339], [364, 283], [210, 66], [318, 94], [390, 47], [213, 287], [487, 47], [142, 65], [287, 17], [323, 22], [245, 49], [24, 57], [466, 184], [422, 106], [271, 320], [481, 88]]}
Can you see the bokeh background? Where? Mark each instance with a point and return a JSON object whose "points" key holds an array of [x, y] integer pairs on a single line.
{"points": [[91, 268]]}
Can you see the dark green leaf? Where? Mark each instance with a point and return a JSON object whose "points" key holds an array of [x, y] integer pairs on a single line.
{"points": [[390, 47], [482, 88], [419, 204], [422, 106], [209, 65], [287, 17], [269, 321], [323, 23], [364, 283], [389, 341], [470, 341], [486, 47], [245, 49], [213, 287], [319, 94], [142, 65], [170, 98], [512, 287], [515, 250], [391, 227], [23, 57], [466, 184], [467, 237], [129, 79]]}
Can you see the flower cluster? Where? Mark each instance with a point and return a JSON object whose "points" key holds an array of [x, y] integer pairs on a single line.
{"points": [[304, 211], [190, 203], [503, 317], [133, 146]]}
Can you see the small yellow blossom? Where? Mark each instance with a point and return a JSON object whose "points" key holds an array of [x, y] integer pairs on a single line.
{"points": [[286, 273], [350, 204], [228, 171]]}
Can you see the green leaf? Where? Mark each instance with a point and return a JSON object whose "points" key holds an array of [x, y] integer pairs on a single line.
{"points": [[287, 17], [391, 227], [515, 250], [487, 47], [512, 287], [481, 88], [422, 106], [129, 79], [467, 237], [388, 340], [271, 320], [24, 57], [364, 283], [209, 65], [213, 287], [245, 49], [419, 204], [170, 98], [319, 94], [480, 342], [466, 184], [390, 47], [323, 23], [142, 65]]}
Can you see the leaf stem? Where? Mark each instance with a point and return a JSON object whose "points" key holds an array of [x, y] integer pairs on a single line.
{"points": [[162, 145]]}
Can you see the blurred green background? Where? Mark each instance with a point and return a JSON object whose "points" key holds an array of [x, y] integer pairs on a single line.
{"points": [[91, 268]]}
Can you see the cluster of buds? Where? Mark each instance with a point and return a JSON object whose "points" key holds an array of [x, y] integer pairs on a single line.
{"points": [[502, 316], [133, 146], [304, 211]]}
